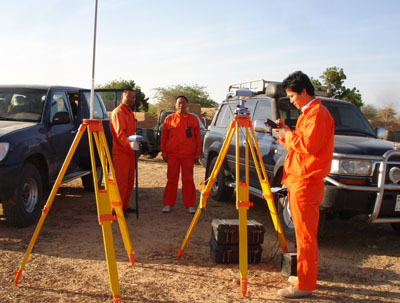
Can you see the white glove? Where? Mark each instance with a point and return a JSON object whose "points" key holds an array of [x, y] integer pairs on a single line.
{"points": [[134, 145]]}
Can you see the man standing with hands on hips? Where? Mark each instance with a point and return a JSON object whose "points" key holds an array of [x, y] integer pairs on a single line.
{"points": [[123, 125], [180, 147], [307, 163]]}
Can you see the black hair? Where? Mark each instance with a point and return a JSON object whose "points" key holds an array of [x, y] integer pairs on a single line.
{"points": [[183, 97], [298, 81]]}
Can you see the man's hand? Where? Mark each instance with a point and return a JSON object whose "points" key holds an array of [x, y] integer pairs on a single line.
{"points": [[282, 130], [165, 158]]}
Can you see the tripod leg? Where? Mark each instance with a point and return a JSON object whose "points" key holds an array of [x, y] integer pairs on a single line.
{"points": [[105, 221], [116, 204], [50, 200], [205, 190], [266, 190], [104, 212], [242, 206]]}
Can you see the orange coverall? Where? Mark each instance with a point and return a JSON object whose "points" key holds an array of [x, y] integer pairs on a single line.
{"points": [[308, 162], [181, 152], [123, 125]]}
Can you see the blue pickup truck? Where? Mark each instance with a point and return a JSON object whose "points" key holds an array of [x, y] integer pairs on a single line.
{"points": [[365, 176], [37, 127]]}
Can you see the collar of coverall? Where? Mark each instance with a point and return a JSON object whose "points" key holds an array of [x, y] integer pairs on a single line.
{"points": [[308, 104]]}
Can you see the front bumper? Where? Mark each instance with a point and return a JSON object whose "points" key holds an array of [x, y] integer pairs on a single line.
{"points": [[380, 200]]}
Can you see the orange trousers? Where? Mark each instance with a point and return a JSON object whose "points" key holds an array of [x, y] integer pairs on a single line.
{"points": [[304, 198], [124, 166], [175, 165]]}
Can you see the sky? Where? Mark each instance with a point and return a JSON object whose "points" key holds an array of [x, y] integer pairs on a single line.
{"points": [[207, 43]]}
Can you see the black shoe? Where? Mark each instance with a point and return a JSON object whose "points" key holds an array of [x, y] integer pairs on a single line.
{"points": [[128, 210]]}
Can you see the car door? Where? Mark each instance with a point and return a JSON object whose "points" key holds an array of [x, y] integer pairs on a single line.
{"points": [[62, 131], [266, 142]]}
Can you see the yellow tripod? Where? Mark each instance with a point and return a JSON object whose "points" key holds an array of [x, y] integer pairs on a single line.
{"points": [[241, 120], [108, 201]]}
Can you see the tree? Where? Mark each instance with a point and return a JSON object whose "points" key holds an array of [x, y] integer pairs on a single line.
{"points": [[195, 94], [333, 78], [387, 113], [369, 111], [141, 103]]}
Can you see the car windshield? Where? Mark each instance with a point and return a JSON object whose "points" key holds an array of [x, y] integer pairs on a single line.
{"points": [[348, 119], [21, 104]]}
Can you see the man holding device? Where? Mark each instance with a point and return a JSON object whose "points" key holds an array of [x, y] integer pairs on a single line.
{"points": [[307, 163], [123, 125]]}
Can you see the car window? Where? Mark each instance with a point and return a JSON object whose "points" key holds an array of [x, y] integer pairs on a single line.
{"points": [[22, 104], [99, 111], [263, 110], [348, 118], [58, 104], [225, 115], [288, 113]]}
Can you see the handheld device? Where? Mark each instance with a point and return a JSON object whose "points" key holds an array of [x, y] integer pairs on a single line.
{"points": [[271, 124]]}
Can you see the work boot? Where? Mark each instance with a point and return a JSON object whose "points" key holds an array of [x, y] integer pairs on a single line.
{"points": [[191, 210], [166, 209], [292, 280], [293, 292]]}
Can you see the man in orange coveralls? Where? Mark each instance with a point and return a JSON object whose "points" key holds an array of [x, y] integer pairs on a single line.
{"points": [[308, 162], [123, 125], [180, 147]]}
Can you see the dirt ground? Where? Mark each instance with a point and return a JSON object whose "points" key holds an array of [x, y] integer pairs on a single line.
{"points": [[359, 262]]}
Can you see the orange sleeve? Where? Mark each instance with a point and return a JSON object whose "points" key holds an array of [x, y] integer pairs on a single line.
{"points": [[164, 137], [311, 138], [119, 123], [197, 136]]}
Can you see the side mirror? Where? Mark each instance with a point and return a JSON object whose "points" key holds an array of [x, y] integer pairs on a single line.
{"points": [[61, 118], [381, 133]]}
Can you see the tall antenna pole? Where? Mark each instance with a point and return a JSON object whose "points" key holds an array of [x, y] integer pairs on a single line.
{"points": [[93, 63]]}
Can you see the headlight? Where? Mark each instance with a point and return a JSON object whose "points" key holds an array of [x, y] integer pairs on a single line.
{"points": [[4, 146], [351, 167]]}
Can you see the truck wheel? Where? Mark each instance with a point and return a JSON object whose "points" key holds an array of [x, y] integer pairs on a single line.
{"points": [[219, 190], [87, 181], [285, 219], [25, 208], [396, 227]]}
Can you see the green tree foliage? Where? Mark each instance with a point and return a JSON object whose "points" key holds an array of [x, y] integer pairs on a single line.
{"points": [[141, 103], [166, 97], [369, 111], [333, 78]]}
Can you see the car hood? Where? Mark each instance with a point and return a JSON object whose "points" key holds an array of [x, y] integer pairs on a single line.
{"points": [[7, 127], [361, 145]]}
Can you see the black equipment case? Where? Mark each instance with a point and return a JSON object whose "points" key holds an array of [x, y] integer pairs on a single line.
{"points": [[224, 243], [226, 231], [229, 254]]}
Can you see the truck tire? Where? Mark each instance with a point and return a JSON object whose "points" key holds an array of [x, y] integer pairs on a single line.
{"points": [[25, 208], [87, 181], [219, 190], [285, 219]]}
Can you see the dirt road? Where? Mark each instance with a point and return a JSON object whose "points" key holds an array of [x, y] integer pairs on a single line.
{"points": [[359, 262]]}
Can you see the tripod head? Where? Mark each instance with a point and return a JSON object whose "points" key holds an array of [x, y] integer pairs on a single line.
{"points": [[241, 110]]}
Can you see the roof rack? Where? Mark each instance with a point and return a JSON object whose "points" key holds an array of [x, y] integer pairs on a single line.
{"points": [[260, 86], [256, 86], [322, 90]]}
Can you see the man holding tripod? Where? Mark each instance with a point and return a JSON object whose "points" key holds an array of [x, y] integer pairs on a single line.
{"points": [[307, 163]]}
